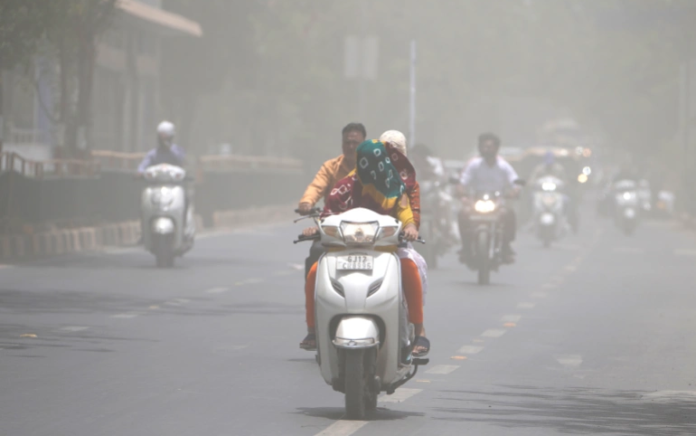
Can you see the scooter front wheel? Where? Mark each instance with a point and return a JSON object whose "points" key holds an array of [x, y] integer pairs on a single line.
{"points": [[163, 252], [360, 397], [484, 267]]}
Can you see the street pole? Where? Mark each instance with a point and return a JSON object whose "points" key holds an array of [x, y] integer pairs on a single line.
{"points": [[412, 99]]}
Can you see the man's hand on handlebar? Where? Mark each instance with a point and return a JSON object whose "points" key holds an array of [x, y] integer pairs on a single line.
{"points": [[304, 208], [310, 231], [410, 232]]}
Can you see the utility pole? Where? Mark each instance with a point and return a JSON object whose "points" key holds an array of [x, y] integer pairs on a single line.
{"points": [[412, 98]]}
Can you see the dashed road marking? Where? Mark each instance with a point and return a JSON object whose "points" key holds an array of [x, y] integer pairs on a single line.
{"points": [[342, 428], [284, 273], [526, 305], [570, 268], [442, 369], [422, 381], [127, 315], [510, 318], [218, 290], [458, 357], [74, 328], [399, 396], [177, 302], [493, 333], [629, 250], [685, 252], [248, 282], [470, 349], [570, 360]]}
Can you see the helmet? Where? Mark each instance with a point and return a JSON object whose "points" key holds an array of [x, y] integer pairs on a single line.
{"points": [[166, 130], [395, 138]]}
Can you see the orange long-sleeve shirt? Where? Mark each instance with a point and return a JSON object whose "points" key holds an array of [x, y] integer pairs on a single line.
{"points": [[330, 172]]}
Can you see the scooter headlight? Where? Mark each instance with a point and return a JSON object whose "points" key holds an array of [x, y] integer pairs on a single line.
{"points": [[359, 233], [484, 206], [548, 186], [629, 195]]}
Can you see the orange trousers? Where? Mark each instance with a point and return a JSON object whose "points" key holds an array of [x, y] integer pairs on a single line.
{"points": [[410, 281]]}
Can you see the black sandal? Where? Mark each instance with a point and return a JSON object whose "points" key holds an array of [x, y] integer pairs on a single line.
{"points": [[309, 343], [421, 341]]}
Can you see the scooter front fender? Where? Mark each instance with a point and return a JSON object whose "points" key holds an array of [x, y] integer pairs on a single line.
{"points": [[356, 332]]}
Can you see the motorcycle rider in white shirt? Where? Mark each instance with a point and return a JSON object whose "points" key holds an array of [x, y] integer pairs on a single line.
{"points": [[489, 173]]}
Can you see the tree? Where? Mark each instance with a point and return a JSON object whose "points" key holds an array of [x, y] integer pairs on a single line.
{"points": [[23, 25], [78, 24]]}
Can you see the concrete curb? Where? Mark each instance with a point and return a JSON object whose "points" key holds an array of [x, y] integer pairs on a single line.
{"points": [[85, 239]]}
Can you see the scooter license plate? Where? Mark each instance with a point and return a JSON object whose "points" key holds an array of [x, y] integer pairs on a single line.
{"points": [[354, 263]]}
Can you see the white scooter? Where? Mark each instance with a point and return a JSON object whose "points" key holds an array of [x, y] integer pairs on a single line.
{"points": [[364, 339], [168, 222], [549, 212]]}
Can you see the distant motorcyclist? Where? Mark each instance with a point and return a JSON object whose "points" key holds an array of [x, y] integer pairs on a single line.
{"points": [[489, 173], [550, 167], [166, 152]]}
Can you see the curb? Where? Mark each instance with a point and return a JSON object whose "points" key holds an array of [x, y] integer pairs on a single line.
{"points": [[85, 239]]}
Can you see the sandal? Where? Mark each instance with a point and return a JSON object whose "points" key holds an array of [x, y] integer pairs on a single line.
{"points": [[422, 342], [309, 343]]}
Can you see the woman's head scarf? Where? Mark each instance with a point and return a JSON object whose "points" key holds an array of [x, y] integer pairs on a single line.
{"points": [[378, 175]]}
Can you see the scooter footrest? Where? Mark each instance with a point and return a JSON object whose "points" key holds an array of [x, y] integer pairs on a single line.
{"points": [[420, 361]]}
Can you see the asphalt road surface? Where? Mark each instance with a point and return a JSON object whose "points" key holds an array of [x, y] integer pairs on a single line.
{"points": [[596, 335]]}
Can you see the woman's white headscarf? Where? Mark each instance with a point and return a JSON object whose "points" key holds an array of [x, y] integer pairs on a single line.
{"points": [[395, 138]]}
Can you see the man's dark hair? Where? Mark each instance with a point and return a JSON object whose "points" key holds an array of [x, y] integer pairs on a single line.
{"points": [[489, 137], [355, 127]]}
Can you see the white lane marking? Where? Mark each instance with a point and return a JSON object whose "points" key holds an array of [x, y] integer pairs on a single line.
{"points": [[399, 396], [670, 396], [570, 360], [248, 282], [442, 369], [284, 273], [342, 428], [570, 268], [296, 266], [685, 252], [510, 318], [526, 305], [219, 290], [177, 302], [73, 328], [493, 333], [629, 250], [539, 295], [470, 349], [127, 315]]}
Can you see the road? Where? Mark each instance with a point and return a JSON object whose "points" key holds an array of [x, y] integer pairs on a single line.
{"points": [[594, 336]]}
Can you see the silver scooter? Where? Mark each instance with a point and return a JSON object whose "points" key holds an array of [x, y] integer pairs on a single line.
{"points": [[364, 338], [169, 227]]}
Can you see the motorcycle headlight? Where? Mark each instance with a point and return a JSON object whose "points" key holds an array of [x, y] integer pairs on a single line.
{"points": [[548, 186], [484, 206], [628, 196], [359, 233]]}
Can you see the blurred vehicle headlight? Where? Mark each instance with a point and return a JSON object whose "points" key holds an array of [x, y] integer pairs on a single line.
{"points": [[484, 206]]}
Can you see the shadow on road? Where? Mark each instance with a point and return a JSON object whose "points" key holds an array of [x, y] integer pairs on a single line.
{"points": [[335, 413], [575, 410]]}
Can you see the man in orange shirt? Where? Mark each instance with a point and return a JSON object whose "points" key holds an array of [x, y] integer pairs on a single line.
{"points": [[331, 172]]}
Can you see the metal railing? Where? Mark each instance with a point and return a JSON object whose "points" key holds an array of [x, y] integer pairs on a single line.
{"points": [[13, 162]]}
